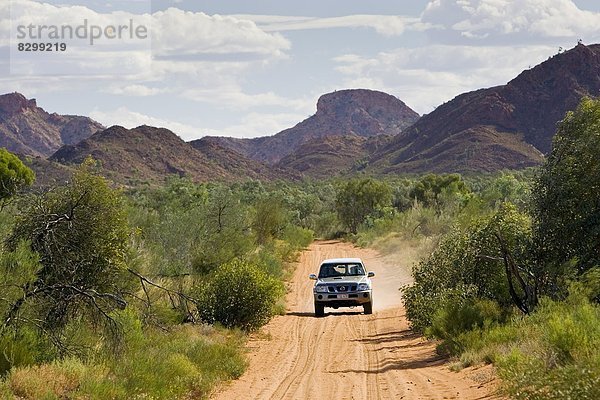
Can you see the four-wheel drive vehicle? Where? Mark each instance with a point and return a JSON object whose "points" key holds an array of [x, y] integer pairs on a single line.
{"points": [[342, 282]]}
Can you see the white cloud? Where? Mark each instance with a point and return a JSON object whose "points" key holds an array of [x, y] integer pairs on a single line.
{"points": [[387, 25], [251, 125], [135, 90], [174, 37], [178, 33], [427, 76], [493, 19], [233, 96], [258, 124], [131, 119], [196, 56]]}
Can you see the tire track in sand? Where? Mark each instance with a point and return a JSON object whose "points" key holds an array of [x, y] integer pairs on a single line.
{"points": [[347, 355]]}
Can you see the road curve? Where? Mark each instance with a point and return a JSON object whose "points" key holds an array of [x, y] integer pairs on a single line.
{"points": [[348, 355]]}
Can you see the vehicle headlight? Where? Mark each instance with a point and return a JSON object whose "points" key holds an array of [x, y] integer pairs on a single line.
{"points": [[363, 286], [321, 289]]}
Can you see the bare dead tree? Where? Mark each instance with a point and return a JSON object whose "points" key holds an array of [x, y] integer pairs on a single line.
{"points": [[529, 299]]}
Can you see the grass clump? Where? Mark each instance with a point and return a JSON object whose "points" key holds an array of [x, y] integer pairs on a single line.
{"points": [[551, 354], [186, 362]]}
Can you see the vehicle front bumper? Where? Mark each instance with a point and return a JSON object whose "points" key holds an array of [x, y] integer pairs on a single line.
{"points": [[349, 299]]}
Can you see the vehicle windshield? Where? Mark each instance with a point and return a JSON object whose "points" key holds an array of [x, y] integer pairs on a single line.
{"points": [[341, 269]]}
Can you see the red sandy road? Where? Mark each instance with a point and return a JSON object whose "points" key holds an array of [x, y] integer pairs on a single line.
{"points": [[348, 355]]}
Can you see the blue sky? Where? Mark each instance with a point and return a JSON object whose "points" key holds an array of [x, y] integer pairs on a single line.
{"points": [[252, 68]]}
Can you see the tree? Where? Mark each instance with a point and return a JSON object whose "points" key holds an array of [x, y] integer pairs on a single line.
{"points": [[269, 219], [13, 175], [433, 190], [361, 198], [81, 236], [225, 231], [473, 264], [566, 198]]}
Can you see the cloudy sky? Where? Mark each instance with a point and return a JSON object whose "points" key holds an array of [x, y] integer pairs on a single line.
{"points": [[252, 68]]}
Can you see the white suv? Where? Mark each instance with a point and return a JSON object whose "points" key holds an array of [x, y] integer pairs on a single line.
{"points": [[342, 282]]}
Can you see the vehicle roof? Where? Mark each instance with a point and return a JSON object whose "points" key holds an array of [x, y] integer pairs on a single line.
{"points": [[341, 260]]}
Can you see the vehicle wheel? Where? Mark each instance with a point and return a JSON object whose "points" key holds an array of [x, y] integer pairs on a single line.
{"points": [[319, 310], [368, 308]]}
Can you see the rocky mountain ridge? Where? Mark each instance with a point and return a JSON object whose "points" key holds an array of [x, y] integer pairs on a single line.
{"points": [[350, 112], [28, 129], [503, 127], [148, 155]]}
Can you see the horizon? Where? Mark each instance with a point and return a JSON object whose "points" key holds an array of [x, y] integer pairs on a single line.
{"points": [[256, 69]]}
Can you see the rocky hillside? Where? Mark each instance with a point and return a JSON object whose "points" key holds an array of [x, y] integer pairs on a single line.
{"points": [[333, 155], [239, 165], [27, 129], [508, 126], [355, 112], [149, 155], [47, 173]]}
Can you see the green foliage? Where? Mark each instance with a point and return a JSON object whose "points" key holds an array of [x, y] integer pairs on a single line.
{"points": [[468, 264], [459, 315], [80, 233], [184, 363], [437, 190], [359, 199], [566, 201], [239, 294], [553, 354], [269, 218], [298, 238], [13, 174], [507, 187]]}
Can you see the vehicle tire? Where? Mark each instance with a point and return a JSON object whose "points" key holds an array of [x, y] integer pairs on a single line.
{"points": [[368, 308], [319, 310]]}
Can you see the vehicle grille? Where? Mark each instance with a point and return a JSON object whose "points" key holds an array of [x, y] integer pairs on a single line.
{"points": [[341, 288]]}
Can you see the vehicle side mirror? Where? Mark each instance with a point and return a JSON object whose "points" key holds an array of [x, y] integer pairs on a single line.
{"points": [[312, 277], [371, 274]]}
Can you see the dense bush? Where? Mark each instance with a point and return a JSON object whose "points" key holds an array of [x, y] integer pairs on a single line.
{"points": [[359, 199], [438, 191], [552, 354], [80, 233], [183, 363], [461, 295], [468, 264], [462, 315], [239, 294], [13, 175], [566, 204]]}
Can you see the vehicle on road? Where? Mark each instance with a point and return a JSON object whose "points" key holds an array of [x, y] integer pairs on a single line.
{"points": [[342, 282]]}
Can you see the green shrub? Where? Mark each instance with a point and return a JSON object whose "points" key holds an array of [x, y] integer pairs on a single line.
{"points": [[551, 354], [460, 315], [468, 264], [183, 363], [57, 380], [13, 175], [23, 347], [239, 294], [298, 238]]}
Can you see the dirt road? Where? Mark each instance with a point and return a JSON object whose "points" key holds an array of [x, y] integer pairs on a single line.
{"points": [[348, 355]]}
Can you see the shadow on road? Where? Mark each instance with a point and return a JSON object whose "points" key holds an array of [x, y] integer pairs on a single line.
{"points": [[387, 365], [327, 314], [405, 334]]}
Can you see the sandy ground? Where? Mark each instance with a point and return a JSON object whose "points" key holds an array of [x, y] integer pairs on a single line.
{"points": [[346, 354]]}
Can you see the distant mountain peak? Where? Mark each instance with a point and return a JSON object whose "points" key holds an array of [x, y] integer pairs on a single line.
{"points": [[509, 126], [27, 129], [359, 112], [14, 103], [149, 155]]}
